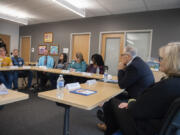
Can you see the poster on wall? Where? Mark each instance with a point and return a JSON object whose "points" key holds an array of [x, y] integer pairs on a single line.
{"points": [[54, 50], [41, 49], [48, 37], [65, 50]]}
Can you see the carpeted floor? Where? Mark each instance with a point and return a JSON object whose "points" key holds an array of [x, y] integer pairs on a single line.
{"points": [[37, 116]]}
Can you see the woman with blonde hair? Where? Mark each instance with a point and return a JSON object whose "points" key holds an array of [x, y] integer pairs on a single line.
{"points": [[145, 116], [78, 64]]}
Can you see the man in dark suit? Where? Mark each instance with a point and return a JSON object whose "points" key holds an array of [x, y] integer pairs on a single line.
{"points": [[134, 76]]}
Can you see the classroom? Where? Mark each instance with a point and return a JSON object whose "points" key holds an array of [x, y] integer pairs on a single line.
{"points": [[90, 67]]}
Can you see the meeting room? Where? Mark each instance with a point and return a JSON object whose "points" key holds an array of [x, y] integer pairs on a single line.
{"points": [[90, 67]]}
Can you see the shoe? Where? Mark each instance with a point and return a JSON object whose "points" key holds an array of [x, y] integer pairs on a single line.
{"points": [[100, 115], [102, 126], [14, 88]]}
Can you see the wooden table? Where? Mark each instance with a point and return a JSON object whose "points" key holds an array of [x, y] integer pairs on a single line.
{"points": [[157, 74], [30, 63], [105, 91], [55, 71], [12, 96]]}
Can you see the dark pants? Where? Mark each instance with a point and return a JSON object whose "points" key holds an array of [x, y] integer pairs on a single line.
{"points": [[44, 77], [6, 77], [123, 97], [17, 74], [67, 79], [118, 119]]}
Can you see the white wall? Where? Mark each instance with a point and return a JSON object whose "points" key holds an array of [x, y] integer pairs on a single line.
{"points": [[11, 29]]}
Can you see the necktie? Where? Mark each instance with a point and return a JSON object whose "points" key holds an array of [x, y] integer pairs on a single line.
{"points": [[45, 61]]}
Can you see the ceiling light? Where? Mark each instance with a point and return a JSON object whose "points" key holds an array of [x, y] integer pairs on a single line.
{"points": [[79, 3], [68, 5], [14, 19], [13, 15]]}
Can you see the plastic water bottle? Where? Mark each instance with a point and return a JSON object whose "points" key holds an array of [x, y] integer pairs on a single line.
{"points": [[97, 70], [105, 76], [60, 86]]}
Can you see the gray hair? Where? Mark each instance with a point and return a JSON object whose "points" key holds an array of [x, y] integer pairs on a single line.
{"points": [[171, 54], [131, 51]]}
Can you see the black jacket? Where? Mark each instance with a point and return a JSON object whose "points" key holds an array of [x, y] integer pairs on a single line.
{"points": [[135, 77], [150, 108]]}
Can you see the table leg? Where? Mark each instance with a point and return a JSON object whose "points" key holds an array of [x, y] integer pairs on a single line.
{"points": [[66, 118]]}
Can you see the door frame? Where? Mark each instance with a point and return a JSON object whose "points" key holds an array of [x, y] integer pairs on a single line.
{"points": [[125, 37], [21, 44], [9, 43], [71, 43]]}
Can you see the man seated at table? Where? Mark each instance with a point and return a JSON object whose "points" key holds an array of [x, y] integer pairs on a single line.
{"points": [[6, 77], [18, 61], [134, 76], [47, 61]]}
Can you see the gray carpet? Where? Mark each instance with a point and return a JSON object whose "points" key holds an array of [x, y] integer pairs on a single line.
{"points": [[37, 116]]}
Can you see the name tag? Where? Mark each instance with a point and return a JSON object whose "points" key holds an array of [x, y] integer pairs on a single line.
{"points": [[72, 86], [27, 67], [43, 67], [65, 71], [13, 67], [86, 74], [91, 82]]}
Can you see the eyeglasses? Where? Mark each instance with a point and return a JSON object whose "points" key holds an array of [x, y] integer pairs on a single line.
{"points": [[160, 58]]}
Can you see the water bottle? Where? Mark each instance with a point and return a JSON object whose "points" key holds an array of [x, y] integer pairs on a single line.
{"points": [[105, 76], [97, 70], [60, 86]]}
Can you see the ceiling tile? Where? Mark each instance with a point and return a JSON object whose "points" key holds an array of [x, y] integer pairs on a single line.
{"points": [[41, 11], [162, 4]]}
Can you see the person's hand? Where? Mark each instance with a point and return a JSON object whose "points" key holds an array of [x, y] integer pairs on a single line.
{"points": [[123, 105], [121, 66]]}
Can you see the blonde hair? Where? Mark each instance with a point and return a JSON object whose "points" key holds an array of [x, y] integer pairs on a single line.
{"points": [[171, 54], [79, 56]]}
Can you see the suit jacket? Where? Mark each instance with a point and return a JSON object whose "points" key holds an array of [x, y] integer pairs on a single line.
{"points": [[135, 77], [150, 108]]}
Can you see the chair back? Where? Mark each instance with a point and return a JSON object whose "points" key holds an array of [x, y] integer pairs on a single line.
{"points": [[171, 125]]}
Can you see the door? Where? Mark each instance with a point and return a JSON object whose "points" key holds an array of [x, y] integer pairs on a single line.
{"points": [[111, 50], [26, 48], [81, 43], [6, 39]]}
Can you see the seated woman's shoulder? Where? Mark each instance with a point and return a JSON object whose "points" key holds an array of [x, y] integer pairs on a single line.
{"points": [[73, 61], [83, 62]]}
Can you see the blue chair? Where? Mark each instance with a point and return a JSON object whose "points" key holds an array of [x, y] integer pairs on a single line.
{"points": [[172, 120]]}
